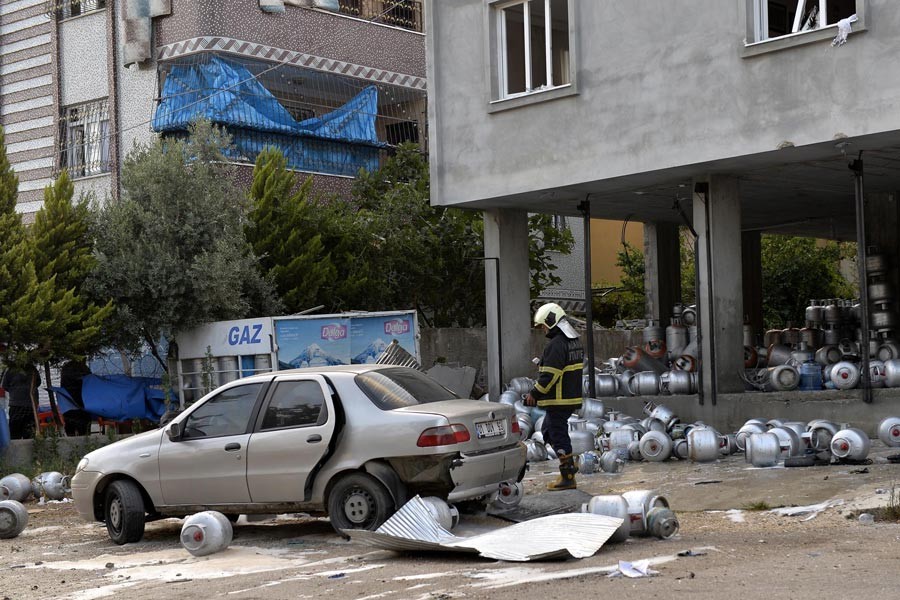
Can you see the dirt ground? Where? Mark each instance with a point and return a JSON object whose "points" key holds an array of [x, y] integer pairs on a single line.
{"points": [[735, 552]]}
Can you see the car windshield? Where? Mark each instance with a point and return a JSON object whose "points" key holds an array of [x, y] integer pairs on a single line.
{"points": [[395, 388]]}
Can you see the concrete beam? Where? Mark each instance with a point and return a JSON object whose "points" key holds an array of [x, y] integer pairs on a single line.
{"points": [[717, 219], [508, 296], [662, 270]]}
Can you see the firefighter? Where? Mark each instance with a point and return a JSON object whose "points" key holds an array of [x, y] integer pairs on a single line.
{"points": [[558, 387]]}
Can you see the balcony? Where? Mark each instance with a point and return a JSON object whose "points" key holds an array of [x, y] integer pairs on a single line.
{"points": [[322, 122], [406, 14]]}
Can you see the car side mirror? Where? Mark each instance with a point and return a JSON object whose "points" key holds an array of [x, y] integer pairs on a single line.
{"points": [[174, 432]]}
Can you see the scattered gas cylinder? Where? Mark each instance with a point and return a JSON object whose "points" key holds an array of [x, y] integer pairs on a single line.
{"points": [[53, 485], [17, 486], [13, 518], [850, 444], [889, 431], [655, 446], [611, 506], [206, 533], [445, 514], [587, 463], [762, 449], [509, 494]]}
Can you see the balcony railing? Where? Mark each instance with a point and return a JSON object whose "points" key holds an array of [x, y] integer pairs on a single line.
{"points": [[66, 9], [398, 13]]}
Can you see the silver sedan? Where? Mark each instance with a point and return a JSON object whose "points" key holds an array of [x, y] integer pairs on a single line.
{"points": [[354, 442]]}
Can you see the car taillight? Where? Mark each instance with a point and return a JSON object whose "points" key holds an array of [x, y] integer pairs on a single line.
{"points": [[515, 426], [443, 436]]}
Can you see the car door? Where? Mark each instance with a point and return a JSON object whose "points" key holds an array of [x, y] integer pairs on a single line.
{"points": [[207, 464], [293, 430]]}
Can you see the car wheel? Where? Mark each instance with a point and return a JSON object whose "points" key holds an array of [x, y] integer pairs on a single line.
{"points": [[124, 512], [359, 501]]}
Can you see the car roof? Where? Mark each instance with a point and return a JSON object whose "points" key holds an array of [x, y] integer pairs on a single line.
{"points": [[351, 369]]}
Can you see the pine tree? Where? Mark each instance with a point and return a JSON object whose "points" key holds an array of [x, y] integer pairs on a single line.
{"points": [[11, 235], [284, 233], [61, 249]]}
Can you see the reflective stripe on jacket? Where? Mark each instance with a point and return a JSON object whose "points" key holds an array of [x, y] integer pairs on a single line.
{"points": [[560, 372]]}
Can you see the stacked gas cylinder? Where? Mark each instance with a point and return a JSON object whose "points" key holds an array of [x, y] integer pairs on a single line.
{"points": [[827, 352], [16, 489], [665, 363]]}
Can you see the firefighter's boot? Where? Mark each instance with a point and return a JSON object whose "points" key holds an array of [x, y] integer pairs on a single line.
{"points": [[567, 470]]}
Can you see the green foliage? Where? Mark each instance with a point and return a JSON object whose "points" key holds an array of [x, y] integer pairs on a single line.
{"points": [[49, 454], [626, 302], [544, 238], [61, 250], [282, 229], [13, 272], [688, 268], [387, 248], [796, 269], [171, 254]]}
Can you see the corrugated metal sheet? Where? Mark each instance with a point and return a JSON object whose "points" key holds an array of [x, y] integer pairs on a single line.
{"points": [[571, 535], [395, 355]]}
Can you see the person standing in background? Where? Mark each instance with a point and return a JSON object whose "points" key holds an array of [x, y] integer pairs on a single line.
{"points": [[20, 383]]}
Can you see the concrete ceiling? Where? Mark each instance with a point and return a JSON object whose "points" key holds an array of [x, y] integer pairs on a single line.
{"points": [[805, 191]]}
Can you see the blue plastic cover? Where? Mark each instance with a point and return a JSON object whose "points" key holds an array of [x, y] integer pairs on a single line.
{"points": [[227, 94], [4, 432], [120, 398]]}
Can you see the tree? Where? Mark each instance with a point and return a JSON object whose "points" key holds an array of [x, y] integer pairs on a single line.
{"points": [[627, 301], [796, 269], [171, 254], [61, 251], [282, 229]]}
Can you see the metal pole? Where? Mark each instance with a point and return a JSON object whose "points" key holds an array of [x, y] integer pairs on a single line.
{"points": [[857, 167], [585, 208]]}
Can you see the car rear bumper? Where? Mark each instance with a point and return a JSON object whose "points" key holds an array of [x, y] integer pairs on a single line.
{"points": [[83, 485], [475, 475]]}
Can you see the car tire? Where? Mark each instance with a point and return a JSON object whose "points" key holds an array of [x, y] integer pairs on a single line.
{"points": [[359, 501], [232, 517], [124, 512]]}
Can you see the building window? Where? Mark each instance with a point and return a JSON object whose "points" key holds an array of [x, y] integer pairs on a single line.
{"points": [[84, 139], [65, 9], [778, 18], [533, 46]]}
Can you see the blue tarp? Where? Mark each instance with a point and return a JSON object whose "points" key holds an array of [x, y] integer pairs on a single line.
{"points": [[227, 94], [120, 398]]}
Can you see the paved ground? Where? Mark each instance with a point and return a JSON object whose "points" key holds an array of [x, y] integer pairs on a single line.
{"points": [[738, 553]]}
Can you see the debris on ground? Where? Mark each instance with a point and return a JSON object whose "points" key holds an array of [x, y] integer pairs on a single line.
{"points": [[812, 510]]}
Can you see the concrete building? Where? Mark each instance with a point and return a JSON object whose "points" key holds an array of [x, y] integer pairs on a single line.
{"points": [[81, 81], [735, 118]]}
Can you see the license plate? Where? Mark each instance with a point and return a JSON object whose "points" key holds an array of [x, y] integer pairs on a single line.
{"points": [[490, 428]]}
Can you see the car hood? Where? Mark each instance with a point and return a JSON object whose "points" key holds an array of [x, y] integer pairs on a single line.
{"points": [[134, 443]]}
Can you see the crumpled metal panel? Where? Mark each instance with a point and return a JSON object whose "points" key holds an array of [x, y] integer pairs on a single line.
{"points": [[570, 535]]}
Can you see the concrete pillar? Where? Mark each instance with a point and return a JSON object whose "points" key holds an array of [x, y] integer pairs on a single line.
{"points": [[507, 287], [662, 270], [717, 219], [751, 258]]}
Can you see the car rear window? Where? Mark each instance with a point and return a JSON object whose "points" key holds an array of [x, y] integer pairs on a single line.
{"points": [[395, 388]]}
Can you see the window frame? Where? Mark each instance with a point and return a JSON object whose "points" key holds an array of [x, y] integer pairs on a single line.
{"points": [[63, 9], [321, 420], [251, 417], [494, 31], [753, 16], [93, 113]]}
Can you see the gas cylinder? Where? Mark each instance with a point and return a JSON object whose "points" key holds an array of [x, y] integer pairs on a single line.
{"points": [[535, 451], [206, 533], [13, 519], [53, 485], [445, 514], [17, 486], [762, 449], [850, 444], [845, 375], [703, 444], [587, 462], [637, 360], [782, 378], [610, 462], [510, 397], [676, 338], [521, 385], [509, 494], [655, 446], [611, 506], [889, 431], [582, 439]]}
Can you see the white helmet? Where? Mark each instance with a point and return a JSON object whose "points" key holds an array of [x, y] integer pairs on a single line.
{"points": [[552, 315], [549, 314]]}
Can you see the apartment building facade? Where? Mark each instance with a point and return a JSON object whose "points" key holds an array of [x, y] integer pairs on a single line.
{"points": [[336, 84]]}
